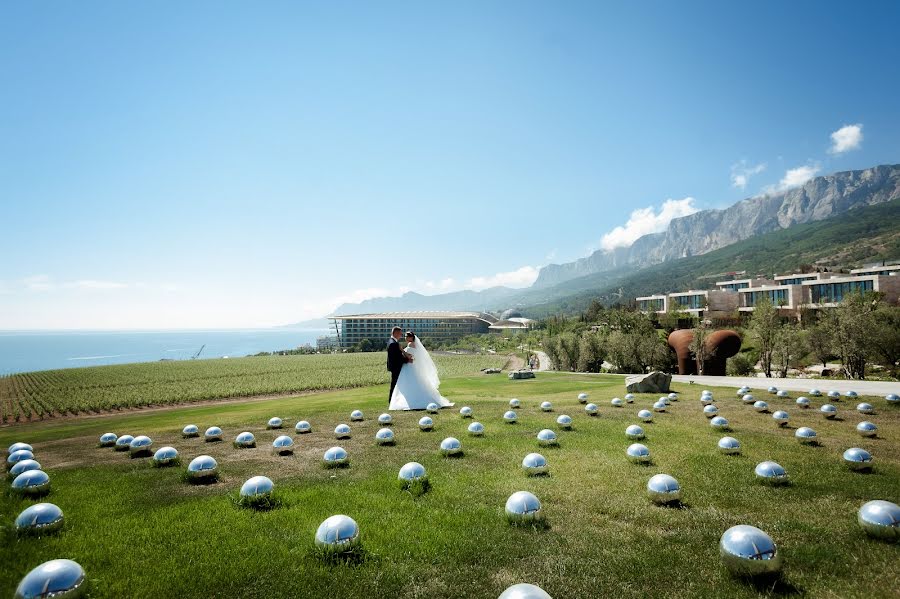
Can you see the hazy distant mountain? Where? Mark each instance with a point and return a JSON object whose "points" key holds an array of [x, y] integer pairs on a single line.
{"points": [[707, 230], [489, 299]]}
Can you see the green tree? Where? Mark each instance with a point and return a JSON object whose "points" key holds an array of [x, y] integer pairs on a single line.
{"points": [[698, 345], [591, 352], [851, 325], [885, 336], [818, 339], [789, 348], [764, 327]]}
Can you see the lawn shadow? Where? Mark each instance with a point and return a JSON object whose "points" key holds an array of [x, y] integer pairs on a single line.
{"points": [[456, 456], [774, 584]]}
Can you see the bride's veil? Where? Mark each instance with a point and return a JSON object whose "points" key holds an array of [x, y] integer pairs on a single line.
{"points": [[426, 364]]}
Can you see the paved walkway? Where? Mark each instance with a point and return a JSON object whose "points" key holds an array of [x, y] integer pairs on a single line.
{"points": [[543, 360], [804, 385]]}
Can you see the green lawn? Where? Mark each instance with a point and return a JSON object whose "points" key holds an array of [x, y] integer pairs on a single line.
{"points": [[138, 530]]}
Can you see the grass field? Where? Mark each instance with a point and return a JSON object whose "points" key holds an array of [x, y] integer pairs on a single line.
{"points": [[49, 393], [142, 531]]}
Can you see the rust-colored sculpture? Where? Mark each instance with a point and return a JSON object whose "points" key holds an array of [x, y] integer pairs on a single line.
{"points": [[720, 345]]}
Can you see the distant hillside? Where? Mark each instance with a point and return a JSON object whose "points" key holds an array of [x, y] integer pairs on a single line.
{"points": [[489, 299], [708, 230]]}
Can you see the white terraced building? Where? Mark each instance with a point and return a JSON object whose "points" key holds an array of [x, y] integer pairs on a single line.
{"points": [[350, 329]]}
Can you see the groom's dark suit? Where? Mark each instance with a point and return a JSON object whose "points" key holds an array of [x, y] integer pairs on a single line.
{"points": [[395, 362]]}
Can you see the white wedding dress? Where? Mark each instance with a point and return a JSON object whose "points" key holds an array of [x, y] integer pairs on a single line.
{"points": [[418, 383]]}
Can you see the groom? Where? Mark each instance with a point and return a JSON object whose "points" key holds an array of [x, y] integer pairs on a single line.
{"points": [[396, 358]]}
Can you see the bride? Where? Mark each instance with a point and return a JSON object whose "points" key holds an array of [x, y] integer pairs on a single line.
{"points": [[418, 383]]}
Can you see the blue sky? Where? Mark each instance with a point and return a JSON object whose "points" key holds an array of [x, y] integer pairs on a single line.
{"points": [[219, 164]]}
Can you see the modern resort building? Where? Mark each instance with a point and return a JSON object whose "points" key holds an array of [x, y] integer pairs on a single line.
{"points": [[350, 329]]}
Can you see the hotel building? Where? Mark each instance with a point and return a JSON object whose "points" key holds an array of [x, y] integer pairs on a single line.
{"points": [[350, 329]]}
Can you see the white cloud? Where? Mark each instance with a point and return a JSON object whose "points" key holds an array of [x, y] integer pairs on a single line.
{"points": [[647, 220], [742, 171], [521, 277], [442, 285], [794, 177], [96, 285], [848, 137], [38, 283]]}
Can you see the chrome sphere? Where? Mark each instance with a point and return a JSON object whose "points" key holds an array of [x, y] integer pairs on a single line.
{"points": [[189, 431], [773, 390], [865, 408], [39, 518], [828, 411], [815, 393], [645, 415], [802, 402], [781, 417], [892, 398], [583, 397], [140, 444], [748, 551], [515, 404], [451, 446], [283, 445], [748, 399], [867, 429], [664, 399], [638, 453], [165, 456], [31, 482], [476, 429], [523, 507], [706, 400], [616, 402], [851, 395], [426, 423], [510, 416], [108, 439], [22, 454], [771, 473], [719, 423], [634, 432], [591, 409], [337, 534], [710, 411], [629, 398], [18, 447], [384, 436], [342, 431], [274, 422], [880, 519], [244, 440], [673, 396], [546, 406], [782, 393], [257, 486], [335, 456], [659, 406], [412, 472], [662, 489], [213, 433], [56, 578], [385, 419], [564, 422], [23, 466], [123, 443], [805, 435], [356, 416], [761, 406], [534, 463], [858, 459], [203, 467], [547, 438], [742, 390], [706, 392], [465, 412], [523, 590], [729, 446], [834, 394], [303, 427]]}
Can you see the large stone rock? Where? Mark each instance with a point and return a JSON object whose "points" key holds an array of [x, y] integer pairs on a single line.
{"points": [[655, 382]]}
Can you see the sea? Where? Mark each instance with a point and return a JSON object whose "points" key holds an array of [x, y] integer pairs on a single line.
{"points": [[25, 351]]}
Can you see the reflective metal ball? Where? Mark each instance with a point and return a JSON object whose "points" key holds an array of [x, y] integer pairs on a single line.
{"points": [[58, 578], [616, 402], [335, 456], [546, 406], [781, 417], [356, 416], [771, 473], [108, 439], [465, 412], [706, 392], [451, 446], [283, 445], [202, 467], [710, 411], [426, 423], [384, 436], [773, 390], [673, 396], [761, 406], [706, 400], [865, 408], [385, 419], [748, 551], [645, 415], [411, 472], [23, 466], [523, 590], [547, 438], [629, 398], [880, 519], [851, 395], [662, 489], [337, 534], [39, 518], [534, 463], [18, 447], [634, 432], [303, 427], [748, 399], [257, 486], [274, 422], [564, 421], [591, 409], [743, 390], [805, 435], [664, 399], [867, 429], [582, 397], [123, 443], [729, 446], [802, 402], [638, 453], [213, 433], [244, 440], [719, 423], [523, 507], [432, 408], [815, 393], [476, 429], [31, 482], [659, 406], [892, 398], [20, 455], [510, 416], [834, 394], [165, 456], [140, 445], [342, 431], [828, 411], [857, 458], [515, 403], [783, 393], [189, 431]]}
